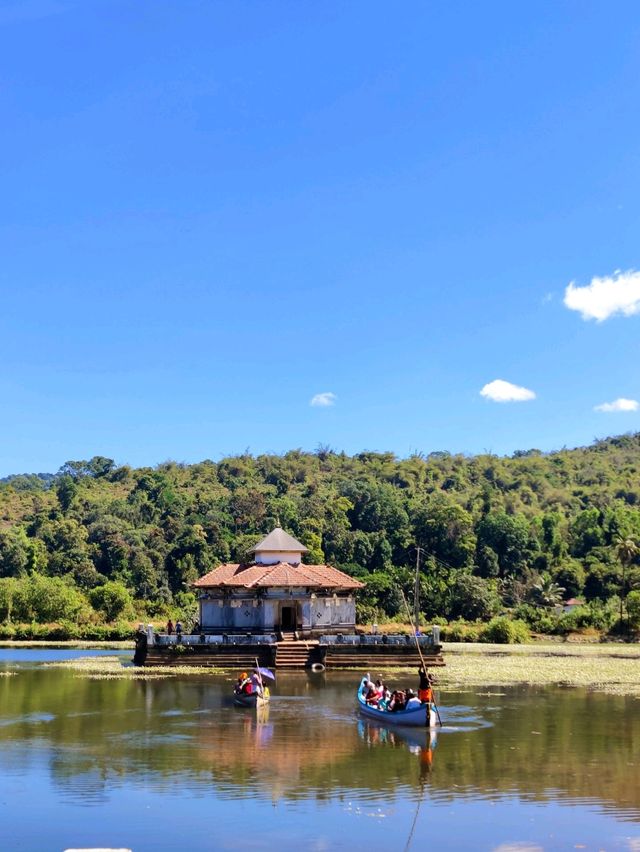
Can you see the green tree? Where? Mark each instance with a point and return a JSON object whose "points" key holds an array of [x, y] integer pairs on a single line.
{"points": [[474, 598], [571, 576], [445, 530], [627, 551], [8, 587], [633, 609], [46, 599], [112, 599], [507, 536], [66, 491]]}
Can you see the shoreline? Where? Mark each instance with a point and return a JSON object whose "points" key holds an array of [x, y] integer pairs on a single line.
{"points": [[612, 668]]}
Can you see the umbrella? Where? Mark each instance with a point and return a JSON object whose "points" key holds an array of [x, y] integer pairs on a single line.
{"points": [[265, 673]]}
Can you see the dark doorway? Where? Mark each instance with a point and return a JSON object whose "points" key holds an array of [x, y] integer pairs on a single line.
{"points": [[288, 618]]}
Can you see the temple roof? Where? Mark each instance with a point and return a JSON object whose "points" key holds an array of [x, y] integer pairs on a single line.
{"points": [[277, 540], [254, 576]]}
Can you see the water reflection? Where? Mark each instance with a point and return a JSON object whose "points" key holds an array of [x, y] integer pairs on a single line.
{"points": [[89, 739]]}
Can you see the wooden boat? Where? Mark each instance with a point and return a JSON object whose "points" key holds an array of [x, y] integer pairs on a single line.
{"points": [[241, 699], [423, 716]]}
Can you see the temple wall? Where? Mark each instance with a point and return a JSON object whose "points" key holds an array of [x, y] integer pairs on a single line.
{"points": [[328, 611], [258, 614]]}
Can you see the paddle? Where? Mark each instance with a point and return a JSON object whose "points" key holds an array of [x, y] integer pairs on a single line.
{"points": [[424, 665]]}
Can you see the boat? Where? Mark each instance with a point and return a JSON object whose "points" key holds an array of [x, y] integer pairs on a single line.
{"points": [[423, 716], [252, 700], [259, 695]]}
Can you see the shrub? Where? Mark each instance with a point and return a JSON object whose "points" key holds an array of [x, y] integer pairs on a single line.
{"points": [[594, 615], [539, 619], [460, 631], [505, 631], [64, 631]]}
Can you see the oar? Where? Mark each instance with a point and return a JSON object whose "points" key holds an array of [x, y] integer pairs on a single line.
{"points": [[424, 665]]}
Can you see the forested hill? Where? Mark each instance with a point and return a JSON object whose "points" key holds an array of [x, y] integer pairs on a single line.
{"points": [[510, 527]]}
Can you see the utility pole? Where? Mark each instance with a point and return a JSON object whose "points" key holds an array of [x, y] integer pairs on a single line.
{"points": [[416, 592]]}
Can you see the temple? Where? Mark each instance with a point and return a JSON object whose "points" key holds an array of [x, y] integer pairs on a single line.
{"points": [[275, 592]]}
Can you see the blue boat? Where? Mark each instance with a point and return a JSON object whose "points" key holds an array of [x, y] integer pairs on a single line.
{"points": [[423, 716]]}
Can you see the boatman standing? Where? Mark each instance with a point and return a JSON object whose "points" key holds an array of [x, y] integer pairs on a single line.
{"points": [[425, 690]]}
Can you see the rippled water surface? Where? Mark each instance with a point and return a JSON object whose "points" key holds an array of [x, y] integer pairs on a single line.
{"points": [[171, 764]]}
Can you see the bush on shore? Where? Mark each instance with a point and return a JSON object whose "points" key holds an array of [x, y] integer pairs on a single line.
{"points": [[66, 631], [505, 631]]}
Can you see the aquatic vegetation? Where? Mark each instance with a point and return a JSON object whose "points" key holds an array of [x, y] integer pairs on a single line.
{"points": [[614, 669], [609, 668], [113, 668]]}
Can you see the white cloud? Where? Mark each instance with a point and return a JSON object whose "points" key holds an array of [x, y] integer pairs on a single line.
{"points": [[501, 391], [620, 404], [605, 297], [323, 400]]}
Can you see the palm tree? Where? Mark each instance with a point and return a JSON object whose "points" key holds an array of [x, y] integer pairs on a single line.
{"points": [[547, 592], [627, 550]]}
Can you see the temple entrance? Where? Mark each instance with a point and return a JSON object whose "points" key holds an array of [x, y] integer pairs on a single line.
{"points": [[288, 618]]}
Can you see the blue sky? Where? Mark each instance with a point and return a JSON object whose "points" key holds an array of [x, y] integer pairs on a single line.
{"points": [[214, 211]]}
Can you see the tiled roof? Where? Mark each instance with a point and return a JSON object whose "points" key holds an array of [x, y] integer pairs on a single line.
{"points": [[282, 574], [277, 540]]}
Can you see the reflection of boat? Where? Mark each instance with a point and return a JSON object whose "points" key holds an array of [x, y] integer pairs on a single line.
{"points": [[423, 716], [418, 740], [241, 699]]}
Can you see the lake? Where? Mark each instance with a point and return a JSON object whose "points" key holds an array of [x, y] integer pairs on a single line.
{"points": [[170, 764]]}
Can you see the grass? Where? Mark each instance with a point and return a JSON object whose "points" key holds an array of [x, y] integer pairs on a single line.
{"points": [[112, 668]]}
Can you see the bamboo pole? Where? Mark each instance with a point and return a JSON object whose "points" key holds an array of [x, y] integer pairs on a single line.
{"points": [[424, 665]]}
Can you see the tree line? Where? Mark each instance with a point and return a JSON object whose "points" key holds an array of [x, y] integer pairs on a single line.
{"points": [[517, 534]]}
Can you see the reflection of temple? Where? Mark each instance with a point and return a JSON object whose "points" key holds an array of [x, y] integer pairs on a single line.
{"points": [[283, 760]]}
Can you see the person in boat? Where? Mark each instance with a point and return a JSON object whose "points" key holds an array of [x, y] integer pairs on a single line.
{"points": [[382, 694], [371, 694], [256, 682], [169, 627], [397, 701], [242, 683], [412, 700], [425, 690]]}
